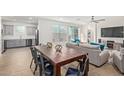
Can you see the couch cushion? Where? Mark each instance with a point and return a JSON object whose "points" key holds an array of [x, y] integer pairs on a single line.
{"points": [[90, 46], [101, 46], [117, 54], [122, 51], [71, 44], [93, 43]]}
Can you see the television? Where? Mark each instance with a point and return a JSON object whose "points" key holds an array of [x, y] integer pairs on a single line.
{"points": [[117, 32]]}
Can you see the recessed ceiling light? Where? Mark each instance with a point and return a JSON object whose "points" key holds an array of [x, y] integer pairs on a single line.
{"points": [[30, 18]]}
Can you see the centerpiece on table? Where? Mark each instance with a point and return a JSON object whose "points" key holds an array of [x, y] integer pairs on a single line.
{"points": [[58, 48], [49, 45]]}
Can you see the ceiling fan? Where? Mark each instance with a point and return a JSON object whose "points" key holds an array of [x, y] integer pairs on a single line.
{"points": [[93, 20], [96, 21]]}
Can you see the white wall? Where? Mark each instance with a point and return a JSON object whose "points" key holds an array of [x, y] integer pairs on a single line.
{"points": [[17, 35], [84, 33], [111, 21], [88, 28], [46, 29]]}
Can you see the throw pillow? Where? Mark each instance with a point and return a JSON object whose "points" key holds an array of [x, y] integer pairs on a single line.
{"points": [[102, 46]]}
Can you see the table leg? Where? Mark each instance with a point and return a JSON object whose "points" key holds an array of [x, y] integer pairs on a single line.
{"points": [[87, 67], [40, 70], [57, 70]]}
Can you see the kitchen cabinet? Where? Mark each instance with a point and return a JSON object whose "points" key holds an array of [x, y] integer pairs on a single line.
{"points": [[14, 43]]}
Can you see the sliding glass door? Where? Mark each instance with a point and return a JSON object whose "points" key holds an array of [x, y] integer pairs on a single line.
{"points": [[92, 32], [73, 33], [65, 33], [60, 34]]}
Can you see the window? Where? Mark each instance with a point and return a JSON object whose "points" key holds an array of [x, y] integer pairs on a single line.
{"points": [[8, 30], [59, 33], [20, 29], [63, 33], [73, 33]]}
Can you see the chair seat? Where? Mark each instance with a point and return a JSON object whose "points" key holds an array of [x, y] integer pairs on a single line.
{"points": [[72, 72], [49, 70], [48, 67], [45, 61]]}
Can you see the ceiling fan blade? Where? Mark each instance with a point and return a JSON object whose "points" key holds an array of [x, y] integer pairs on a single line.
{"points": [[94, 21], [92, 18], [100, 20]]}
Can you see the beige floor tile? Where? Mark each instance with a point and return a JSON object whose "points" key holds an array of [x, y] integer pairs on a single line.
{"points": [[16, 62]]}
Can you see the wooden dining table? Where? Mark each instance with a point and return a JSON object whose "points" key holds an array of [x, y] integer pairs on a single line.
{"points": [[58, 59]]}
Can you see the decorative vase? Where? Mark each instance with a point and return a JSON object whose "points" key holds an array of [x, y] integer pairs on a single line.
{"points": [[49, 45], [58, 48]]}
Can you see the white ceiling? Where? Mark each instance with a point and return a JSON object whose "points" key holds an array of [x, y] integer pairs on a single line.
{"points": [[34, 19], [23, 19], [74, 19]]}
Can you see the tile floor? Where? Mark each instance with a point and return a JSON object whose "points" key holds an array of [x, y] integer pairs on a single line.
{"points": [[15, 62]]}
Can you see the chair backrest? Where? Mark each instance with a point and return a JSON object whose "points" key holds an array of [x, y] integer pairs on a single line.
{"points": [[32, 51], [42, 64], [35, 55], [83, 67], [40, 60]]}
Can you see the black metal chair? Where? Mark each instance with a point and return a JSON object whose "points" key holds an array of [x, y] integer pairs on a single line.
{"points": [[33, 59], [45, 68], [37, 58], [32, 53], [80, 70]]}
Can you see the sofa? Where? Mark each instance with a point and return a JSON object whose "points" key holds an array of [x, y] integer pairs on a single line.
{"points": [[118, 59], [96, 56]]}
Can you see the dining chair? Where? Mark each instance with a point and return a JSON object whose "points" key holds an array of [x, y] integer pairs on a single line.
{"points": [[45, 68], [33, 56], [32, 53], [80, 70]]}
